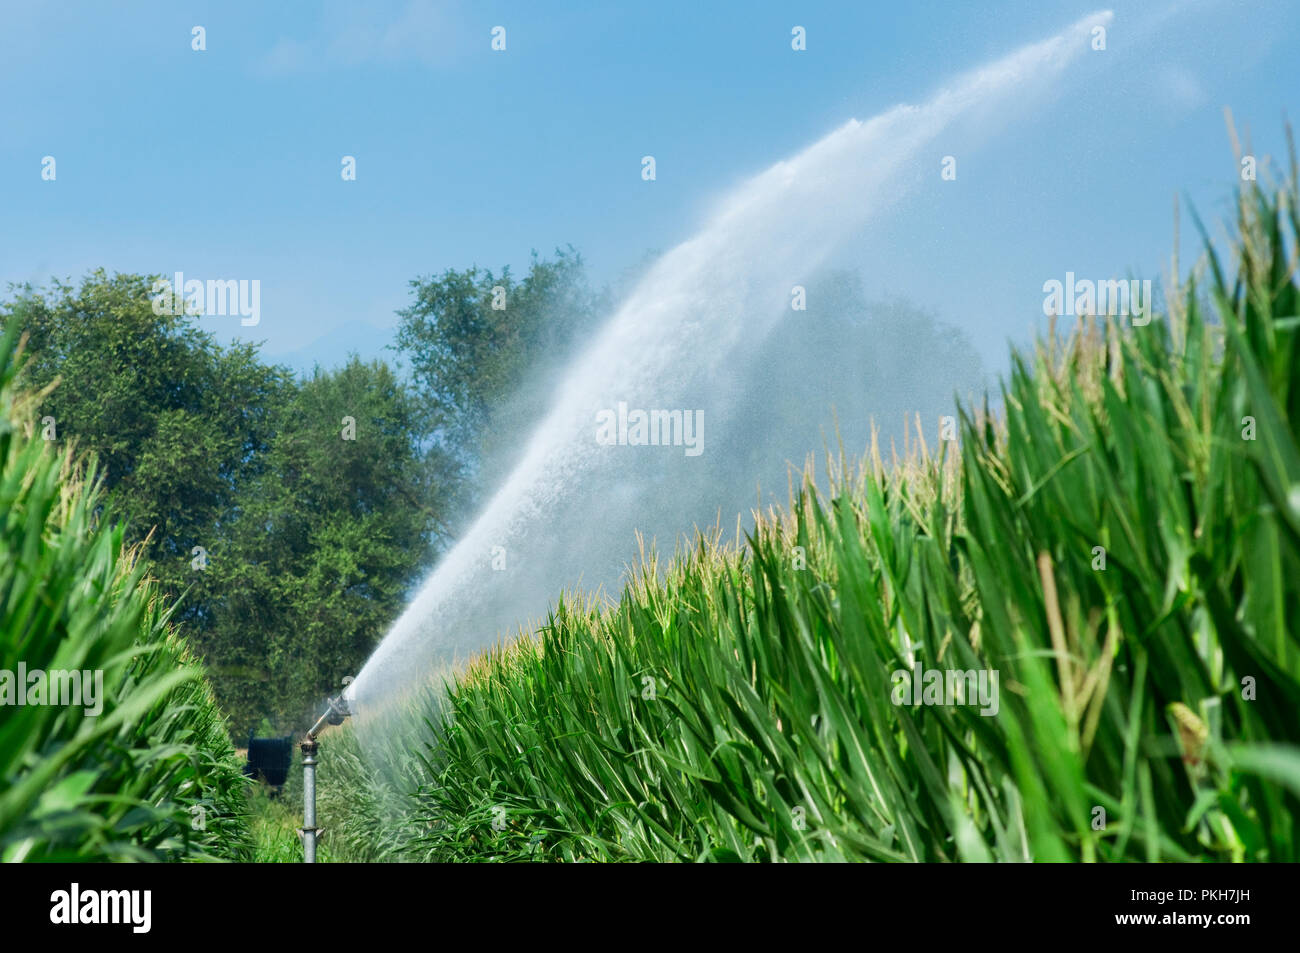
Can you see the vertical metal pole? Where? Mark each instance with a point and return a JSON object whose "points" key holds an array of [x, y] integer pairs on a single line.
{"points": [[309, 800]]}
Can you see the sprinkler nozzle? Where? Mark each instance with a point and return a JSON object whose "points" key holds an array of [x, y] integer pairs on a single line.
{"points": [[336, 709]]}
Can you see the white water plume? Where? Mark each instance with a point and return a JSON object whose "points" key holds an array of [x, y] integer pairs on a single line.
{"points": [[684, 338]]}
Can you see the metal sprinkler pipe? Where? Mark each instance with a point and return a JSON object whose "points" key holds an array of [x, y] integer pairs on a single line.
{"points": [[336, 709]]}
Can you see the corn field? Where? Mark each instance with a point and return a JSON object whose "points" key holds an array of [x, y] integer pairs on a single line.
{"points": [[1106, 558], [1119, 541]]}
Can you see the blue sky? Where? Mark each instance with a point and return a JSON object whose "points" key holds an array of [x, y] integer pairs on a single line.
{"points": [[225, 163]]}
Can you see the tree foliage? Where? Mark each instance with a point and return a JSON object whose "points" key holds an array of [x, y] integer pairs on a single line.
{"points": [[291, 546], [481, 344]]}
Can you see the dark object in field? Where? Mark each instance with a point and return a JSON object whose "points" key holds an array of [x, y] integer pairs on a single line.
{"points": [[268, 759]]}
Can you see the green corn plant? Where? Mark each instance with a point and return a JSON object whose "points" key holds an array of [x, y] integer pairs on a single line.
{"points": [[151, 776]]}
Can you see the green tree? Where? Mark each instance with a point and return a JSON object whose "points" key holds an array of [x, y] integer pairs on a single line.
{"points": [[326, 544], [309, 542], [179, 424], [481, 346]]}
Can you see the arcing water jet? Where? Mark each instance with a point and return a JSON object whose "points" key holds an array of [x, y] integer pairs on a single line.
{"points": [[568, 512]]}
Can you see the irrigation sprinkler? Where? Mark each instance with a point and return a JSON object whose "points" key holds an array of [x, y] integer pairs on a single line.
{"points": [[336, 709]]}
